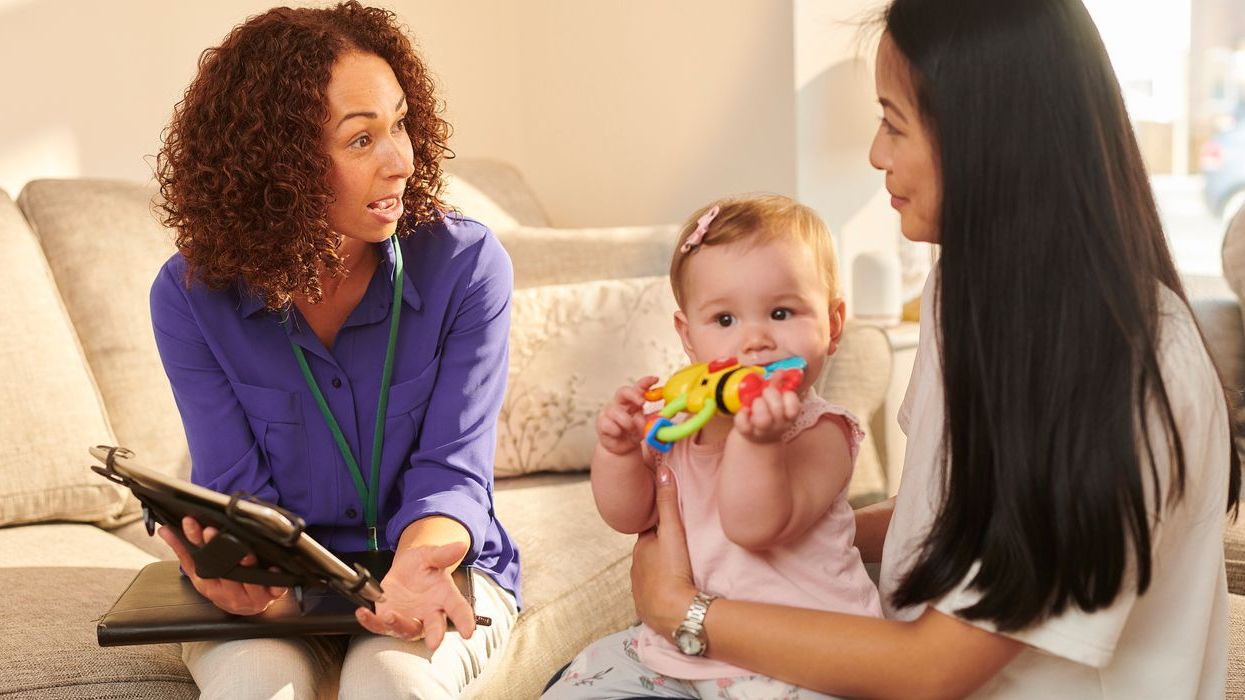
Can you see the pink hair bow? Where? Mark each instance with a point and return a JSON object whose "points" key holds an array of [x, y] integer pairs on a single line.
{"points": [[702, 226]]}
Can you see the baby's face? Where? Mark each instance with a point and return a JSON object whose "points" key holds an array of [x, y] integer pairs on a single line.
{"points": [[757, 304]]}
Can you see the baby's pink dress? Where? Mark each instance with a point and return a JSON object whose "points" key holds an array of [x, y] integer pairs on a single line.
{"points": [[820, 570]]}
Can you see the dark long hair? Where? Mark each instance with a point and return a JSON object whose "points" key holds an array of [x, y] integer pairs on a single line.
{"points": [[1052, 259]]}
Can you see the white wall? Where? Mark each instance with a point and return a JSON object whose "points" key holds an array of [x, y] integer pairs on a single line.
{"points": [[617, 111], [834, 52], [89, 85], [639, 111]]}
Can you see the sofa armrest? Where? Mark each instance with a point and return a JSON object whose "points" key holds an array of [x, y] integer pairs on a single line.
{"points": [[1224, 329], [1218, 313]]}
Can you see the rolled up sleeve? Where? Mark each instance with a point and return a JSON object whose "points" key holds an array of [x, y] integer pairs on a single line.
{"points": [[451, 467]]}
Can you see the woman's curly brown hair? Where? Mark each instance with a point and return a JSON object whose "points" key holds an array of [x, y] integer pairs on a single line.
{"points": [[243, 174]]}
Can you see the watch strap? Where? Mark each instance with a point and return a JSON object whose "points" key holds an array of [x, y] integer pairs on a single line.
{"points": [[694, 622]]}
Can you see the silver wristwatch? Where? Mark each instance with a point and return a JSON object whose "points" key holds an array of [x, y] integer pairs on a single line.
{"points": [[690, 636]]}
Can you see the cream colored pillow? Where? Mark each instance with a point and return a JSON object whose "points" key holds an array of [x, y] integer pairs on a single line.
{"points": [[544, 256], [571, 347], [105, 245], [50, 411]]}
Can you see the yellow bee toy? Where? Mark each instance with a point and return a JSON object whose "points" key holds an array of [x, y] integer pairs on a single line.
{"points": [[705, 388]]}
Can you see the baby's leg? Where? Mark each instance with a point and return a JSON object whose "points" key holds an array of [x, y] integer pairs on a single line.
{"points": [[748, 687], [609, 668], [286, 669]]}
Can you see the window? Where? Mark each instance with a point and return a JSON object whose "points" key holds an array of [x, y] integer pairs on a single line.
{"points": [[1181, 65]]}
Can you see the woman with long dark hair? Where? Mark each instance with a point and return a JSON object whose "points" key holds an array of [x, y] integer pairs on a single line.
{"points": [[1058, 531]]}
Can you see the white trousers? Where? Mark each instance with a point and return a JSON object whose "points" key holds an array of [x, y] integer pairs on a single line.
{"points": [[361, 666]]}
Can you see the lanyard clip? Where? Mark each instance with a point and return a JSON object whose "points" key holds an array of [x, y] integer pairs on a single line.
{"points": [[371, 539]]}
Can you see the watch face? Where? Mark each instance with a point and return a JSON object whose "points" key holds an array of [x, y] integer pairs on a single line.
{"points": [[689, 643]]}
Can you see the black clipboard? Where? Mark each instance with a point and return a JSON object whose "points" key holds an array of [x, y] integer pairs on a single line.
{"points": [[160, 605]]}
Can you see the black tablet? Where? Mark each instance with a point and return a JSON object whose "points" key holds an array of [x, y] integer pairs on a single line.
{"points": [[286, 555]]}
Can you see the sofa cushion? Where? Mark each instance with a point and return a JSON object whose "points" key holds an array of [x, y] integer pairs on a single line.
{"points": [[51, 410], [105, 246], [70, 545], [1236, 647], [70, 575], [560, 256], [571, 346], [1234, 553], [576, 581]]}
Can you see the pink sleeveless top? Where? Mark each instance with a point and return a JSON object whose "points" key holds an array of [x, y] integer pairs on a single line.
{"points": [[821, 570]]}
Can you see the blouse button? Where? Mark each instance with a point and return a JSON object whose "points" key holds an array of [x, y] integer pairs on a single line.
{"points": [[351, 513], [337, 383]]}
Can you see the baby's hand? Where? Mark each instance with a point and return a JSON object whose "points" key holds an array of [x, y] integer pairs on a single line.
{"points": [[620, 425], [769, 416]]}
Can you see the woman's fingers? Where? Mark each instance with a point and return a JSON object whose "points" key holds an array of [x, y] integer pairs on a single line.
{"points": [[669, 521], [193, 530], [277, 591], [231, 596], [434, 631], [459, 611], [661, 570], [179, 549], [370, 621], [403, 626], [258, 595]]}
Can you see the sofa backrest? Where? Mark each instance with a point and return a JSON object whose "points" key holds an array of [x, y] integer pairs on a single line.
{"points": [[105, 245], [492, 192], [50, 411]]}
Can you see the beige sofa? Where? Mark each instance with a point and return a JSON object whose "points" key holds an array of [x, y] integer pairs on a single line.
{"points": [[80, 368]]}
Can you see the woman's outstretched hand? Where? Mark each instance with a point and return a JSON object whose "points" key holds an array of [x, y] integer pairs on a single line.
{"points": [[661, 570], [230, 596], [420, 595]]}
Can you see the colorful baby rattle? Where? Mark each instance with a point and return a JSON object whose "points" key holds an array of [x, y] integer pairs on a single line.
{"points": [[705, 388]]}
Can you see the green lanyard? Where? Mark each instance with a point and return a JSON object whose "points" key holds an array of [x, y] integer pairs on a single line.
{"points": [[368, 492]]}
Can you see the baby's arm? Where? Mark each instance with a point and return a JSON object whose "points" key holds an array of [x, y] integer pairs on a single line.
{"points": [[771, 492], [622, 480]]}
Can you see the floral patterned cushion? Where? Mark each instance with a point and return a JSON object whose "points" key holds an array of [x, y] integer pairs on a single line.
{"points": [[571, 347]]}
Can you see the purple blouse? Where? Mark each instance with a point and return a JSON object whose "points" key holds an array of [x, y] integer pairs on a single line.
{"points": [[252, 423]]}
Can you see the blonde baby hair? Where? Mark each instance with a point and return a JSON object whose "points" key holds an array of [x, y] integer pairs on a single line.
{"points": [[755, 220]]}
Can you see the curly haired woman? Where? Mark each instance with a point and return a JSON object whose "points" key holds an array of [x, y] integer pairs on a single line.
{"points": [[336, 343]]}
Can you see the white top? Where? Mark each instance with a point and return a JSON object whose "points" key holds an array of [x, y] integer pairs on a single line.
{"points": [[1171, 642]]}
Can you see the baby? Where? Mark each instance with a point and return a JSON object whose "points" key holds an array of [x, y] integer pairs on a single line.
{"points": [[763, 493]]}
